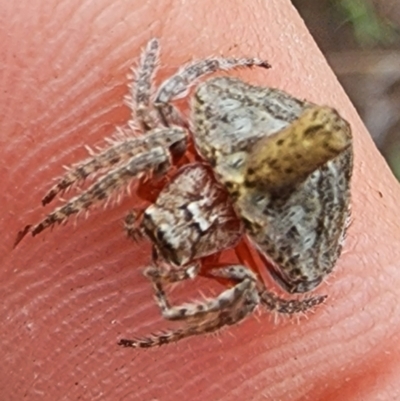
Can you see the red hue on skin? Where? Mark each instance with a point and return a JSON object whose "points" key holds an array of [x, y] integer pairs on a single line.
{"points": [[68, 296]]}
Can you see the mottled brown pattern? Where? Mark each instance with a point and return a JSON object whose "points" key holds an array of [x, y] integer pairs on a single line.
{"points": [[287, 165]]}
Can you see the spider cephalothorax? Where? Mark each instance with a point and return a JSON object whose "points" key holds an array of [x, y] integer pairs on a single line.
{"points": [[266, 165]]}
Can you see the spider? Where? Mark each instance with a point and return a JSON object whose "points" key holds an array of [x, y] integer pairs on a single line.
{"points": [[250, 161]]}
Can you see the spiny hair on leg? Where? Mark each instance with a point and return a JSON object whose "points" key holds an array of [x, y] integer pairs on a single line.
{"points": [[101, 189], [210, 326], [114, 156], [289, 307], [178, 85], [139, 98]]}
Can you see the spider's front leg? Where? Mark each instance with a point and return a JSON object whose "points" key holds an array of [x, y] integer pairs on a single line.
{"points": [[139, 98], [158, 147], [121, 150], [230, 307]]}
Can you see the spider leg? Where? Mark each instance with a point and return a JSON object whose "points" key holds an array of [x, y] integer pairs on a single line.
{"points": [[230, 307], [114, 155], [289, 306], [207, 326], [159, 276], [226, 301], [268, 299], [132, 224], [178, 85], [103, 188], [140, 89]]}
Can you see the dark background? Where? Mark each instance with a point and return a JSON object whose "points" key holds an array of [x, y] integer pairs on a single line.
{"points": [[361, 41]]}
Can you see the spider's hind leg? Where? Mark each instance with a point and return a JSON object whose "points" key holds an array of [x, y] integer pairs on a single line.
{"points": [[289, 306]]}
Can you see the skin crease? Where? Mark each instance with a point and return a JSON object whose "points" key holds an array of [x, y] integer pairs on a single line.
{"points": [[68, 296]]}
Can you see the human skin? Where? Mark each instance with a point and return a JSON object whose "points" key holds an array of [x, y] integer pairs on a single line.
{"points": [[69, 295]]}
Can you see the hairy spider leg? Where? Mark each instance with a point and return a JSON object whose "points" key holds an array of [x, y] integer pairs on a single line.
{"points": [[125, 147], [178, 85], [139, 99], [112, 157], [132, 224], [230, 307], [289, 306], [104, 187], [151, 160]]}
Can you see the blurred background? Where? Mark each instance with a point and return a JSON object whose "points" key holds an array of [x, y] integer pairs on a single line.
{"points": [[361, 41]]}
